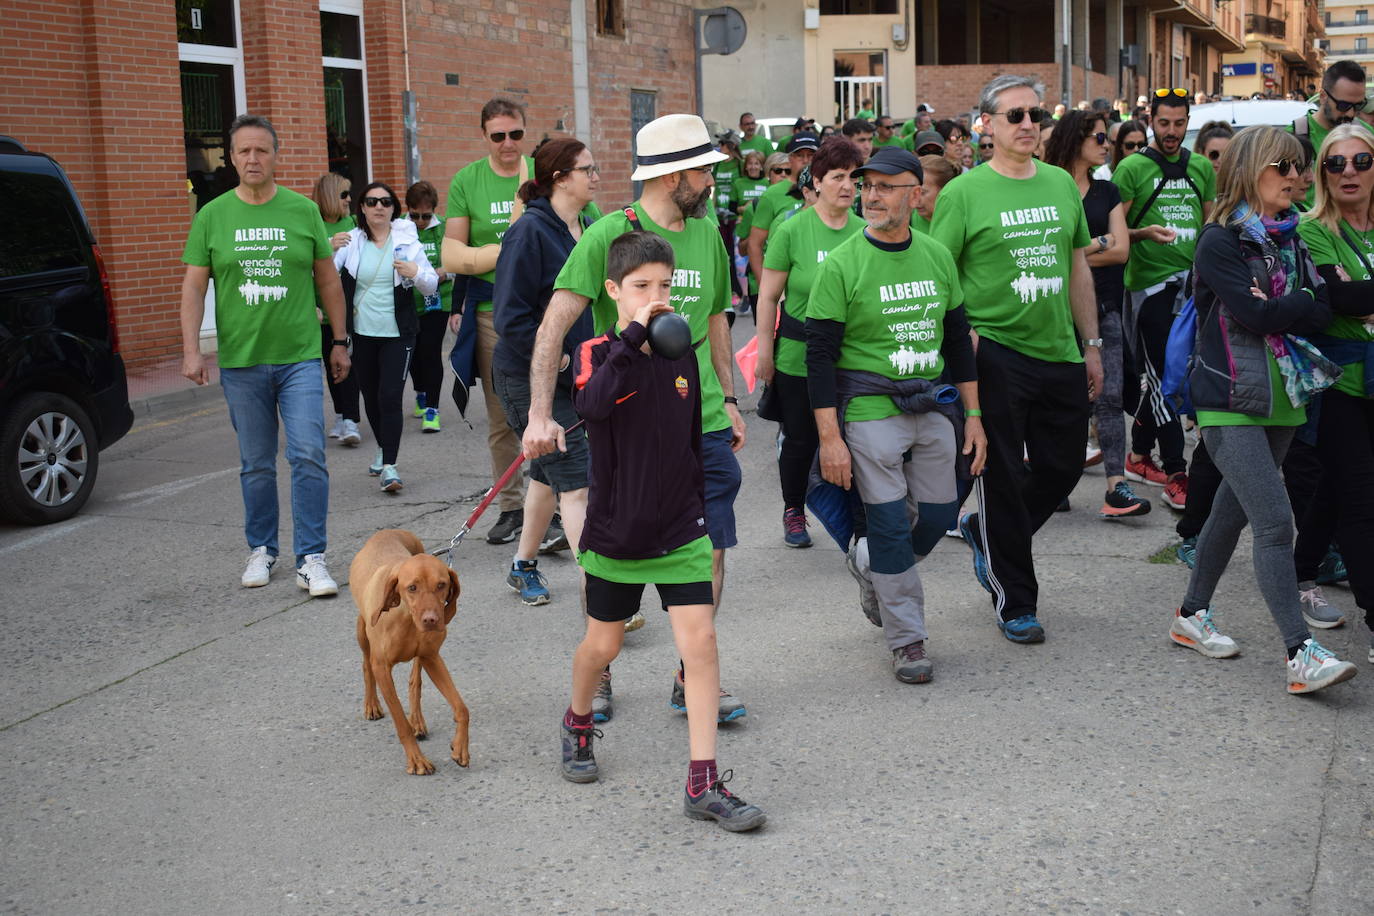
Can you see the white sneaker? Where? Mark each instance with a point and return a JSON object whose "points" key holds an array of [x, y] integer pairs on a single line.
{"points": [[1317, 611], [1198, 632], [350, 435], [1314, 667], [259, 568], [314, 576], [336, 430]]}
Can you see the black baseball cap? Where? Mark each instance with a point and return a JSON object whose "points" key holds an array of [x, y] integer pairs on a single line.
{"points": [[803, 140], [893, 160]]}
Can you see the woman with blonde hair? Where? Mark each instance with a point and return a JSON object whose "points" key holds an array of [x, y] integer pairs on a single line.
{"points": [[1339, 232], [1255, 289], [334, 198]]}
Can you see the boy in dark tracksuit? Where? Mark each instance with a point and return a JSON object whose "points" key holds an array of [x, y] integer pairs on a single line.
{"points": [[645, 520]]}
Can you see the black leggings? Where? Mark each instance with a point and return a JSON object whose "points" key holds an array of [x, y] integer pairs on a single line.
{"points": [[381, 364], [427, 367], [799, 438], [344, 394], [1152, 336]]}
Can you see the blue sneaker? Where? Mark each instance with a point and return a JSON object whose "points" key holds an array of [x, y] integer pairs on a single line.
{"points": [[794, 528], [1332, 570], [420, 406], [525, 578], [1187, 552], [1025, 628], [391, 481], [980, 559]]}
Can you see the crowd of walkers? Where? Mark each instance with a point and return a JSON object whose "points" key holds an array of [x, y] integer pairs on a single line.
{"points": [[946, 318]]}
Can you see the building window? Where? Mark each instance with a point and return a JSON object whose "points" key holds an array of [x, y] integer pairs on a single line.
{"points": [[345, 92], [212, 93], [1361, 44], [858, 7], [610, 17], [1361, 17], [643, 109], [206, 22]]}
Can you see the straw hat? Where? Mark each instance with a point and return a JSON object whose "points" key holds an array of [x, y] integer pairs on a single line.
{"points": [[673, 143]]}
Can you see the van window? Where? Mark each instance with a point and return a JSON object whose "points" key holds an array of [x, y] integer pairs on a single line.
{"points": [[44, 236]]}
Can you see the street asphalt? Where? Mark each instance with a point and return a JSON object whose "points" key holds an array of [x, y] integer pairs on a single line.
{"points": [[175, 744]]}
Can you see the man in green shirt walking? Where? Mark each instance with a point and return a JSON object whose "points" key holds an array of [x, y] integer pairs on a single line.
{"points": [[751, 140], [1343, 97]]}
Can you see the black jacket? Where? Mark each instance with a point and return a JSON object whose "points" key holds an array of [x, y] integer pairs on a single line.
{"points": [[1230, 369]]}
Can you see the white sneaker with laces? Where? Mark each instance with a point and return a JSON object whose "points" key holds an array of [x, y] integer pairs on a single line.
{"points": [[336, 430], [259, 568], [1200, 633], [349, 435], [1314, 667], [1316, 610], [314, 577]]}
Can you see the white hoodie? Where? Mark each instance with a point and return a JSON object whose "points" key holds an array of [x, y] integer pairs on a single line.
{"points": [[405, 242]]}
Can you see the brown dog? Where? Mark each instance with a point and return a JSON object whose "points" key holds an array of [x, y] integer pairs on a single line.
{"points": [[393, 571]]}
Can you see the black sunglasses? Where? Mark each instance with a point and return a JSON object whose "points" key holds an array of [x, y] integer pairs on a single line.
{"points": [[1100, 137], [345, 195], [985, 146], [1131, 146], [1336, 164], [379, 201], [501, 135], [781, 170], [1214, 154], [421, 217], [1017, 115], [1284, 166], [1346, 106]]}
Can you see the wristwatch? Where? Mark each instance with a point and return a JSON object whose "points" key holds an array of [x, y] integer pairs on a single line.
{"points": [[1102, 244], [345, 343], [1093, 342]]}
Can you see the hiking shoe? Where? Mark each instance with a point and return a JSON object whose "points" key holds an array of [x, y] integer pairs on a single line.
{"points": [[336, 430], [391, 481], [719, 804], [1144, 470], [1024, 629], [794, 528], [729, 709], [507, 528], [1198, 632], [431, 420], [634, 622], [1332, 568], [349, 435], [980, 560], [555, 538], [868, 596], [1176, 491], [259, 568], [313, 576], [1314, 667], [602, 703], [910, 664], [524, 577], [419, 406], [1317, 611], [375, 468], [1186, 551], [1092, 455], [1121, 502], [579, 763]]}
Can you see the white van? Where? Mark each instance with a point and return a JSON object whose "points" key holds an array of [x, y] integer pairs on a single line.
{"points": [[1244, 113]]}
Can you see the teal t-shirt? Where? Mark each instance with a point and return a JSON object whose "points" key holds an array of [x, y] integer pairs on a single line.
{"points": [[262, 259], [1013, 241], [799, 247], [1177, 207], [374, 298], [1327, 247], [701, 288], [432, 241], [485, 198], [892, 305]]}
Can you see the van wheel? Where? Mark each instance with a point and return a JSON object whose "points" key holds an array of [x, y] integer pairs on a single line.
{"points": [[48, 459]]}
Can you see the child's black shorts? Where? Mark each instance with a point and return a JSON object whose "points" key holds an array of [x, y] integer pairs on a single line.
{"points": [[615, 601]]}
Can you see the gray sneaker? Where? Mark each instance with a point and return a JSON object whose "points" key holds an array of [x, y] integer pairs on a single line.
{"points": [[868, 597], [719, 804], [579, 763], [910, 664], [729, 710], [1316, 610], [602, 703]]}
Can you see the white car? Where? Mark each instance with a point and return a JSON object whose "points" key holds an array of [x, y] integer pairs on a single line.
{"points": [[1244, 113]]}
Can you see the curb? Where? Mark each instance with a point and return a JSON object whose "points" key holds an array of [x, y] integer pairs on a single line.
{"points": [[172, 401]]}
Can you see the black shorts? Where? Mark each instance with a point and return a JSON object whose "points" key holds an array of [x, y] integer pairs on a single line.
{"points": [[562, 472], [612, 602]]}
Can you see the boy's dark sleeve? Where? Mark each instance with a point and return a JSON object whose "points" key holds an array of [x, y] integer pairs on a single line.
{"points": [[960, 364], [1220, 264], [602, 381], [823, 339], [1348, 297]]}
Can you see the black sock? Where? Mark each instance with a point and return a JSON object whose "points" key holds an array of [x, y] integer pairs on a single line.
{"points": [[1294, 650]]}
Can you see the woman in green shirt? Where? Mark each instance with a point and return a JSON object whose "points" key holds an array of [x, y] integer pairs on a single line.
{"points": [[333, 196]]}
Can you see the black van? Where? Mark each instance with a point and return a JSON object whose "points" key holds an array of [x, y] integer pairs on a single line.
{"points": [[63, 393]]}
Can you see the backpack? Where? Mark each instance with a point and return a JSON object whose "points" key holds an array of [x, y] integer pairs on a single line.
{"points": [[1178, 358], [1169, 171]]}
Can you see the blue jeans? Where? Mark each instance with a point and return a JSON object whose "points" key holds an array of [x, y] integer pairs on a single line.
{"points": [[254, 395]]}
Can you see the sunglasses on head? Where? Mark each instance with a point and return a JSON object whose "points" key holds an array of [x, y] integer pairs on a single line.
{"points": [[1017, 115], [501, 135], [1130, 146], [1346, 106], [379, 201], [1336, 164], [1284, 166], [1165, 93]]}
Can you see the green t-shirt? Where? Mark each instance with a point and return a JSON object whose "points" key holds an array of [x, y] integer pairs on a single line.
{"points": [[1327, 247], [896, 140], [865, 114], [771, 202], [799, 247], [893, 305], [1281, 413], [432, 241], [262, 258], [745, 190], [919, 223], [1317, 134], [781, 214], [1177, 207], [331, 230], [758, 142], [485, 198], [725, 174], [687, 564], [701, 288], [1013, 241]]}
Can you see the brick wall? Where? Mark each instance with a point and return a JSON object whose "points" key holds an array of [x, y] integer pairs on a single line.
{"points": [[954, 90]]}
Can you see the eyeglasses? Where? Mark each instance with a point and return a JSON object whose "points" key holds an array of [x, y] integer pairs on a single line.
{"points": [[1130, 146], [345, 195], [985, 146], [748, 123], [1100, 137], [1336, 164], [1345, 106], [1017, 115], [501, 135], [881, 188], [1284, 166], [379, 201], [421, 217], [780, 170], [591, 170], [1165, 93]]}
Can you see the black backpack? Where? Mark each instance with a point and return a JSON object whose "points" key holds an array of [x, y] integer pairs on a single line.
{"points": [[1169, 171]]}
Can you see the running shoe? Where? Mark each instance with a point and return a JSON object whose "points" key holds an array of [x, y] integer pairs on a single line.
{"points": [[507, 528], [1092, 455], [1186, 551], [725, 808], [794, 528], [430, 423], [391, 481], [579, 762], [868, 596], [634, 622], [980, 560], [1200, 633], [419, 407], [1314, 667], [603, 702], [336, 430], [375, 468], [1144, 470], [1332, 569], [258, 569], [1176, 491], [350, 435], [1317, 611], [729, 710], [313, 576], [1023, 629], [555, 539], [524, 577], [1121, 502], [911, 665]]}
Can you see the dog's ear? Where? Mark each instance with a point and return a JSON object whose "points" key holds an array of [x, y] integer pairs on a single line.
{"points": [[391, 597], [451, 606]]}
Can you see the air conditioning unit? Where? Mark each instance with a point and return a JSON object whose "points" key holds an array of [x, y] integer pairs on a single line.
{"points": [[811, 18], [1130, 56]]}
